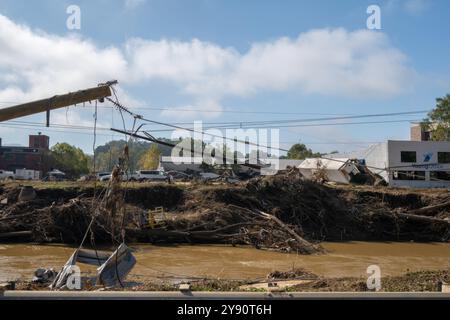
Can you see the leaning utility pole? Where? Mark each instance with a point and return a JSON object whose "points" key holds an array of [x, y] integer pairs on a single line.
{"points": [[56, 102]]}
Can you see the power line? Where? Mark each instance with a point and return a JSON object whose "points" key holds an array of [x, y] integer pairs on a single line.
{"points": [[19, 124], [44, 129], [207, 111], [69, 126], [29, 125], [218, 127], [335, 118], [191, 130], [297, 125], [175, 109], [55, 125]]}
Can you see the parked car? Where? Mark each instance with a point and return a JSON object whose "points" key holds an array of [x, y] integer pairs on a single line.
{"points": [[55, 175], [103, 176], [208, 176], [106, 176], [150, 175], [180, 176], [7, 175]]}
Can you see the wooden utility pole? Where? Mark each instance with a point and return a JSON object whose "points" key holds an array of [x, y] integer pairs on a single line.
{"points": [[56, 102]]}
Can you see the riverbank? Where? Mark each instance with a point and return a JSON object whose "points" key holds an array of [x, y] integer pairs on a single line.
{"points": [[429, 281], [421, 281], [221, 267]]}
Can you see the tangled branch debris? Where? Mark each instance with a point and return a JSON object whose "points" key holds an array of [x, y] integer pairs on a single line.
{"points": [[282, 213]]}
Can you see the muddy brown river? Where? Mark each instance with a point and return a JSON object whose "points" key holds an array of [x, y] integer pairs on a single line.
{"points": [[19, 261]]}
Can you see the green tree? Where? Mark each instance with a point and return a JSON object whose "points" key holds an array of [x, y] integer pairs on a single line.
{"points": [[107, 156], [69, 159], [150, 159], [438, 120], [300, 151]]}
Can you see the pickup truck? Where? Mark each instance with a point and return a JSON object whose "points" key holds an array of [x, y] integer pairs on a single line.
{"points": [[4, 175]]}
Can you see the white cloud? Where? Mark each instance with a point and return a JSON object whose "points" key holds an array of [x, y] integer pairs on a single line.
{"points": [[331, 62], [40, 64]]}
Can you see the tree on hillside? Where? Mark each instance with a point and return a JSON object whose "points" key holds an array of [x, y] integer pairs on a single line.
{"points": [[150, 159], [107, 156], [438, 120], [69, 159], [300, 151]]}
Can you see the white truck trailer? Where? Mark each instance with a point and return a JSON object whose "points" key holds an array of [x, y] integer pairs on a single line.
{"points": [[25, 174]]}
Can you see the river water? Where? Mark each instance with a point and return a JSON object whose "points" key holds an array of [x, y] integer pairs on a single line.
{"points": [[19, 261]]}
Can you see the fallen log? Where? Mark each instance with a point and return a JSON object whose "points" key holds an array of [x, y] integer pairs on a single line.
{"points": [[231, 226], [429, 209], [15, 235], [308, 247], [16, 216], [159, 233], [422, 218]]}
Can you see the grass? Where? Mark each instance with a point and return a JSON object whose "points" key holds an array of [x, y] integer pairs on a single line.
{"points": [[65, 185]]}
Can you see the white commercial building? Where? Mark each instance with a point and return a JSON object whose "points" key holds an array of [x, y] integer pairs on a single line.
{"points": [[418, 164]]}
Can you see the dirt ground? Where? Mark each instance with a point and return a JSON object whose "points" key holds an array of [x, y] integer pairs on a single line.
{"points": [[282, 212], [421, 281]]}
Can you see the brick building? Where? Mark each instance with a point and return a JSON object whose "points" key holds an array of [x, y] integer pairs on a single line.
{"points": [[33, 157], [419, 134]]}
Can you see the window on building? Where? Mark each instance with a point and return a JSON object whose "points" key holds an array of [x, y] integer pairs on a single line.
{"points": [[443, 157], [409, 175], [408, 156], [440, 175]]}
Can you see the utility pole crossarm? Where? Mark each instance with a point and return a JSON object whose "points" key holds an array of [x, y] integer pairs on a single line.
{"points": [[56, 102]]}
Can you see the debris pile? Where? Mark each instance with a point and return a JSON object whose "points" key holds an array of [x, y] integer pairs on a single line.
{"points": [[282, 212], [44, 276], [296, 273]]}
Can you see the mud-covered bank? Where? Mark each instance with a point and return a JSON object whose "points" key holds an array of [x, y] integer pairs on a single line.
{"points": [[278, 213], [420, 281]]}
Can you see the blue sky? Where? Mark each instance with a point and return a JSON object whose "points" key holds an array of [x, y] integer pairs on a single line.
{"points": [[313, 58]]}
